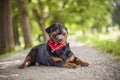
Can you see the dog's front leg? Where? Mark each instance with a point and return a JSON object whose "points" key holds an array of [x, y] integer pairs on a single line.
{"points": [[27, 59], [71, 59]]}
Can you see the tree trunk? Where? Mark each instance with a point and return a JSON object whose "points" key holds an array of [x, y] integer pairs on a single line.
{"points": [[41, 23], [25, 23], [15, 30], [6, 31], [41, 20]]}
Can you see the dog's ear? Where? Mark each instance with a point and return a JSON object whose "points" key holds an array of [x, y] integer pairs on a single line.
{"points": [[49, 29]]}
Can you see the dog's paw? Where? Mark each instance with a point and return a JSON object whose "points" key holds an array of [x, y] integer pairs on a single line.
{"points": [[21, 66], [70, 65], [81, 63], [84, 64], [73, 66]]}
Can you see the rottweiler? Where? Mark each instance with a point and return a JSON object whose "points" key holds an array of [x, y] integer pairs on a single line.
{"points": [[56, 52]]}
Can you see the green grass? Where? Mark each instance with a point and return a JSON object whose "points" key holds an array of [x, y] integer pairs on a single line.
{"points": [[111, 46]]}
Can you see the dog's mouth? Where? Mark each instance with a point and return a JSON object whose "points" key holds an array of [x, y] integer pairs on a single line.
{"points": [[60, 36]]}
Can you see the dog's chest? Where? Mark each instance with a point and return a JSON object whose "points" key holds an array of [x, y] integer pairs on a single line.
{"points": [[64, 52]]}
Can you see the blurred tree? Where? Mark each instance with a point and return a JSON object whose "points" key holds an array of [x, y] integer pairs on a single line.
{"points": [[40, 18], [25, 23], [15, 30], [6, 30], [116, 13], [84, 14], [15, 22], [76, 14], [101, 12]]}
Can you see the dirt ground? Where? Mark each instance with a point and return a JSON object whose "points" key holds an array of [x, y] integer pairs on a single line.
{"points": [[102, 67]]}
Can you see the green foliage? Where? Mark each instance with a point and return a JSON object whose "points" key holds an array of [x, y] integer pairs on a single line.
{"points": [[84, 14], [116, 13], [118, 40]]}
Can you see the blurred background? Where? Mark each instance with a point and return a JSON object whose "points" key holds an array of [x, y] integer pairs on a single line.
{"points": [[92, 22]]}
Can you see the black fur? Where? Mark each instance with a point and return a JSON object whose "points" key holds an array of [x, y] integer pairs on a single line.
{"points": [[44, 54]]}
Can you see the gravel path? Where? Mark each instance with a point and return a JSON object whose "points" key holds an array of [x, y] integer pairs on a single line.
{"points": [[102, 67]]}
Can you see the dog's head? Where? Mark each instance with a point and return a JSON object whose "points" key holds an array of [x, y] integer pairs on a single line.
{"points": [[57, 32]]}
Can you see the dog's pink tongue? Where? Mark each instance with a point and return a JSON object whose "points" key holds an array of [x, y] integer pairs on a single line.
{"points": [[60, 36]]}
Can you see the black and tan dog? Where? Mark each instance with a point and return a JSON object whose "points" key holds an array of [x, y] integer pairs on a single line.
{"points": [[56, 52]]}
